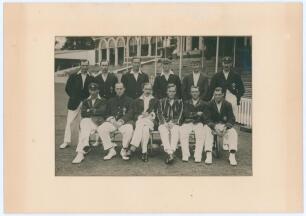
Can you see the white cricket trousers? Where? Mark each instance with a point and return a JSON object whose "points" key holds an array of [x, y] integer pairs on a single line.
{"points": [[107, 128], [230, 138], [233, 100], [71, 116], [86, 126], [203, 134], [169, 138], [142, 133]]}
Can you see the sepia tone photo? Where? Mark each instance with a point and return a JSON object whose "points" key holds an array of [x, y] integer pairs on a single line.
{"points": [[153, 106]]}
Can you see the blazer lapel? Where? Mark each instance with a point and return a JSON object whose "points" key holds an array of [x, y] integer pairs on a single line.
{"points": [[79, 80]]}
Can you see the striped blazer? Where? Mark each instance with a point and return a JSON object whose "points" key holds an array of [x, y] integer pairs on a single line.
{"points": [[167, 112]]}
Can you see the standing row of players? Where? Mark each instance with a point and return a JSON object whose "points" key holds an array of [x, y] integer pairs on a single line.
{"points": [[107, 105]]}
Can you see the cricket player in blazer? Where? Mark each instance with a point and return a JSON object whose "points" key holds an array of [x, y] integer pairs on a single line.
{"points": [[166, 77], [222, 122], [92, 112], [119, 116], [196, 78], [134, 80], [144, 115], [169, 113], [231, 83], [106, 81], [195, 118], [77, 90]]}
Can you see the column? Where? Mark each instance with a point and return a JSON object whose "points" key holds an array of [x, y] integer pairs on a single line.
{"points": [[107, 54], [139, 48], [116, 56], [188, 43], [149, 51], [217, 55], [201, 44]]}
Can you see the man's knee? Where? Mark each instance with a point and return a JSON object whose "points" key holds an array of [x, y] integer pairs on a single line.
{"points": [[105, 127], [85, 122], [162, 127], [127, 128], [232, 133]]}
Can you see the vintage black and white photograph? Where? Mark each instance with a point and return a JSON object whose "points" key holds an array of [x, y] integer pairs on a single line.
{"points": [[153, 105]]}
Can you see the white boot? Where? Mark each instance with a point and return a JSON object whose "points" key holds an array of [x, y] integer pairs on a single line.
{"points": [[208, 159], [232, 159], [111, 153], [78, 158], [64, 145]]}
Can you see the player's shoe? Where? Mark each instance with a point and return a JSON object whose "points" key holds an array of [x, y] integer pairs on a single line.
{"points": [[232, 159], [64, 145], [208, 159], [111, 153], [78, 158]]}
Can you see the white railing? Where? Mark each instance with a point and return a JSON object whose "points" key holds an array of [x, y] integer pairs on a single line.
{"points": [[244, 115]]}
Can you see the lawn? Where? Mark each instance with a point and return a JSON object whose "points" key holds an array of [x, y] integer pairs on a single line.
{"points": [[94, 165]]}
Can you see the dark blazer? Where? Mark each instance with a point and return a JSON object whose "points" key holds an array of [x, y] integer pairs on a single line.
{"points": [[75, 90], [133, 88], [160, 86], [190, 112], [202, 83], [107, 87], [95, 111], [120, 108], [225, 116], [233, 83], [138, 107], [167, 113]]}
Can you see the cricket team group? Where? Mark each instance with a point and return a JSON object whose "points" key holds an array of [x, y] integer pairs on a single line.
{"points": [[134, 107]]}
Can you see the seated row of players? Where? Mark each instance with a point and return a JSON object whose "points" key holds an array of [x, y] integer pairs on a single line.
{"points": [[76, 89]]}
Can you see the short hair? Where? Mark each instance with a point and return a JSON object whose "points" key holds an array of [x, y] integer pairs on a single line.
{"points": [[145, 84], [219, 89], [120, 83], [196, 87], [85, 60], [104, 61], [171, 85]]}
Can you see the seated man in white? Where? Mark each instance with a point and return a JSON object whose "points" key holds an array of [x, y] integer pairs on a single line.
{"points": [[195, 118], [169, 113], [92, 112], [144, 114], [119, 116], [222, 120]]}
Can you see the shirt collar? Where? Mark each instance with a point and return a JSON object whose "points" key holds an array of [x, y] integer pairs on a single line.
{"points": [[163, 74], [96, 98], [143, 97], [139, 72], [197, 74], [80, 72]]}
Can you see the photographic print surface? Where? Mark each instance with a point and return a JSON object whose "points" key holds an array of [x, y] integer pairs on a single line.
{"points": [[153, 106]]}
